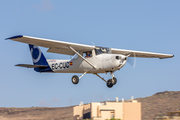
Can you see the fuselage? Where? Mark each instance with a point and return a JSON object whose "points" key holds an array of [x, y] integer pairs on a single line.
{"points": [[103, 62]]}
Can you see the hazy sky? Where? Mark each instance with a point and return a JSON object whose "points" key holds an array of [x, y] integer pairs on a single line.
{"points": [[152, 26]]}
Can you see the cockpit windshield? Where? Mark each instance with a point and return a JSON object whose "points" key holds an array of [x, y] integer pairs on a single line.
{"points": [[101, 50]]}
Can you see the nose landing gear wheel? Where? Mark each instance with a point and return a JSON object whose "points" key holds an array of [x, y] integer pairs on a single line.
{"points": [[75, 79], [109, 83], [114, 80]]}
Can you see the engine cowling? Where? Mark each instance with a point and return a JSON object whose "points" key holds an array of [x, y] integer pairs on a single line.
{"points": [[113, 62]]}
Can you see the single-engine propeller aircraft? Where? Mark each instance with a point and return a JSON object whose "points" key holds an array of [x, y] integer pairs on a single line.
{"points": [[88, 59]]}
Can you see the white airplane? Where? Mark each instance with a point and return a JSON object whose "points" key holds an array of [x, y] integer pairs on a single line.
{"points": [[88, 59]]}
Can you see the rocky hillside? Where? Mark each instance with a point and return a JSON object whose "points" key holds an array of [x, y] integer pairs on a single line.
{"points": [[159, 104], [36, 113]]}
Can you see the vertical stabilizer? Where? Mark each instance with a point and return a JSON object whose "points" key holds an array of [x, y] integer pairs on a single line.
{"points": [[38, 58]]}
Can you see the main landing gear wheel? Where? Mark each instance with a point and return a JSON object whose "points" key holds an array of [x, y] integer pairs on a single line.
{"points": [[75, 79], [109, 83], [114, 80]]}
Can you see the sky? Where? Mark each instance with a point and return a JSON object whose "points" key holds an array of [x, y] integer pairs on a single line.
{"points": [[151, 26]]}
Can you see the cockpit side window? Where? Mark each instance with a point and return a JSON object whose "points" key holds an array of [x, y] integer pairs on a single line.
{"points": [[87, 54]]}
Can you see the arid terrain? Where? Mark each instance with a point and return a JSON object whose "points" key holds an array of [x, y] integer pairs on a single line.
{"points": [[156, 105], [159, 104], [36, 113]]}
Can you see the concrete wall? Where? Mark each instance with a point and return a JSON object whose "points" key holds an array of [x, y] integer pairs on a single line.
{"points": [[118, 109], [94, 109], [78, 112], [107, 110], [105, 115], [132, 111]]}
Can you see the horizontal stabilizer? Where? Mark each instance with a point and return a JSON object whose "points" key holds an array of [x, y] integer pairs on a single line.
{"points": [[32, 66]]}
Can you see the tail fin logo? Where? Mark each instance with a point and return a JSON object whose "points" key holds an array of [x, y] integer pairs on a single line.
{"points": [[36, 53]]}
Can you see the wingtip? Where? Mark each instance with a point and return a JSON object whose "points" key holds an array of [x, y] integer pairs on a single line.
{"points": [[168, 57], [14, 37]]}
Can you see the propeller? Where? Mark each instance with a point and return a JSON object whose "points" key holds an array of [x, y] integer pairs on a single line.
{"points": [[132, 60]]}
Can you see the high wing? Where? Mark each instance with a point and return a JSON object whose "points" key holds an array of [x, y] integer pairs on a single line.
{"points": [[133, 53], [54, 46], [62, 47]]}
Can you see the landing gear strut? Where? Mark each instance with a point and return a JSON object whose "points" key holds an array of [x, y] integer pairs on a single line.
{"points": [[110, 82], [114, 80]]}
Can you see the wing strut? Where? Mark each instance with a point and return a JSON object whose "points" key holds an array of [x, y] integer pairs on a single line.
{"points": [[82, 57]]}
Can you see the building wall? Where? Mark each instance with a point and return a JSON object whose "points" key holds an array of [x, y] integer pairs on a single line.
{"points": [[98, 111], [105, 115], [118, 109], [87, 111], [132, 111], [78, 112], [94, 109], [106, 111]]}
